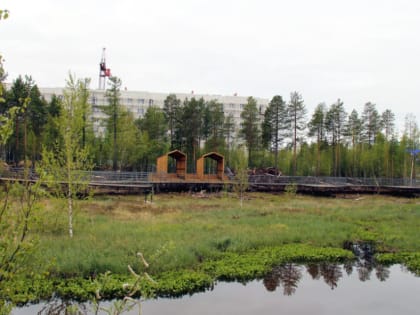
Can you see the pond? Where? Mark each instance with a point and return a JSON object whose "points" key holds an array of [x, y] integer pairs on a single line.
{"points": [[293, 289]]}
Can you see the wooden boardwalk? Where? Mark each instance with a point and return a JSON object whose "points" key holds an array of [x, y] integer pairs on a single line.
{"points": [[145, 182]]}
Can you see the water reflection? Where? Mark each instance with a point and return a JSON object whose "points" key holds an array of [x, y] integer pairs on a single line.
{"points": [[288, 276], [296, 293], [382, 272], [60, 307]]}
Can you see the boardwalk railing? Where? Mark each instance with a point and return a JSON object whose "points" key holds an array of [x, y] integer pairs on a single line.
{"points": [[91, 177], [118, 177], [141, 178], [335, 181]]}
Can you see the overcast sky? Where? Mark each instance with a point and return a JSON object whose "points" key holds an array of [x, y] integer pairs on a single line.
{"points": [[358, 51]]}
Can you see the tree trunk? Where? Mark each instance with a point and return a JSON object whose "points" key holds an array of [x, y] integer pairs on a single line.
{"points": [[25, 140], [16, 157], [84, 131], [412, 175], [318, 156], [249, 156], [294, 147], [114, 158], [70, 200], [276, 156], [70, 211]]}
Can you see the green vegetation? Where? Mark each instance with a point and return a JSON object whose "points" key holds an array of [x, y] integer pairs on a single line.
{"points": [[230, 266], [177, 231], [64, 162], [411, 260], [192, 241], [330, 142]]}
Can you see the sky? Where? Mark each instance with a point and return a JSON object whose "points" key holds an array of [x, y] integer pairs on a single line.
{"points": [[358, 51]]}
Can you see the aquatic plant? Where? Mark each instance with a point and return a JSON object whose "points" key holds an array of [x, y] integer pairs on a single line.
{"points": [[410, 260]]}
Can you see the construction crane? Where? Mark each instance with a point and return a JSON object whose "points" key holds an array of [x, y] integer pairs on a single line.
{"points": [[104, 72]]}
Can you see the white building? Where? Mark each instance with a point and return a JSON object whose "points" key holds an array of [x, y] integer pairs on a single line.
{"points": [[137, 102]]}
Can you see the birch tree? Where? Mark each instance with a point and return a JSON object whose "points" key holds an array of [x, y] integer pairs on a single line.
{"points": [[65, 164], [412, 133]]}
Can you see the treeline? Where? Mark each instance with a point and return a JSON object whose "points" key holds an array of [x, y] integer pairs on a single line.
{"points": [[328, 142]]}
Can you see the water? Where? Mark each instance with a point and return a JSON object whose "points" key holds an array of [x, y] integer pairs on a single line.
{"points": [[296, 289]]}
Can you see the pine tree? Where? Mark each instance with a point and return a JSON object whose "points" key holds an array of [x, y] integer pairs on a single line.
{"points": [[229, 133], [371, 123], [316, 128], [273, 126], [113, 96], [296, 112], [388, 124], [29, 121], [335, 120], [171, 109], [250, 130], [213, 125], [352, 131], [189, 129]]}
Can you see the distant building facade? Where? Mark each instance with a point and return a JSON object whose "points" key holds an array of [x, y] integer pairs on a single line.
{"points": [[137, 103]]}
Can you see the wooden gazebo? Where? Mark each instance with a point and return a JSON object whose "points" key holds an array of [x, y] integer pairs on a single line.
{"points": [[220, 168], [180, 164]]}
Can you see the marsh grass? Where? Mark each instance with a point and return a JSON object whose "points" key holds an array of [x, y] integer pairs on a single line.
{"points": [[179, 231]]}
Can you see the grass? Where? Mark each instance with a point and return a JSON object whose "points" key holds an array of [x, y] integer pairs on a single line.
{"points": [[191, 241], [178, 231]]}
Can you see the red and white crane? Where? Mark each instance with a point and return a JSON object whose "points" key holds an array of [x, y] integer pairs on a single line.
{"points": [[104, 72]]}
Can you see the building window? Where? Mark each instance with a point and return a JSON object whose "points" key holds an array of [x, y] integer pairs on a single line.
{"points": [[150, 102], [93, 100], [242, 106], [140, 101], [129, 101]]}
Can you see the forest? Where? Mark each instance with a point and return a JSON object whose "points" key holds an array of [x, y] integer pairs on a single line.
{"points": [[331, 141]]}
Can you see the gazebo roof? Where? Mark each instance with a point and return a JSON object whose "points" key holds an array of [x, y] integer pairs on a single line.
{"points": [[214, 156], [176, 154]]}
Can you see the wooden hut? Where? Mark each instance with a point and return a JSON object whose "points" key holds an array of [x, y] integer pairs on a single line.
{"points": [[180, 165], [220, 166]]}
